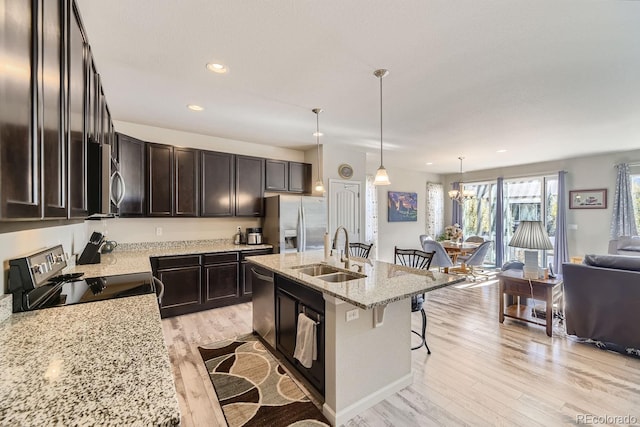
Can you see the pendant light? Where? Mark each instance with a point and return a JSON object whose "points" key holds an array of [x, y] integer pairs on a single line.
{"points": [[382, 178], [319, 187]]}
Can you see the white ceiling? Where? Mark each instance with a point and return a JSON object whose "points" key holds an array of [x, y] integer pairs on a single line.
{"points": [[543, 79]]}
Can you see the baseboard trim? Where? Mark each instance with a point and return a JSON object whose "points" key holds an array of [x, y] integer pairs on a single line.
{"points": [[341, 417]]}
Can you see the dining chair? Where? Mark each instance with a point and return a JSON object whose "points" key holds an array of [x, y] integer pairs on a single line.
{"points": [[360, 250], [476, 258], [441, 258], [474, 239], [417, 259]]}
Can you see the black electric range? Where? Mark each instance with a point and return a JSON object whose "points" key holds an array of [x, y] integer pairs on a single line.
{"points": [[36, 282]]}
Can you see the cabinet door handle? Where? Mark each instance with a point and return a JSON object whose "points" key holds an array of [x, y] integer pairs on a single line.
{"points": [[261, 276], [158, 283]]}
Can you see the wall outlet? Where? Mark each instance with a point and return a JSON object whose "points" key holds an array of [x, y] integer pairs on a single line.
{"points": [[158, 231], [353, 314], [572, 226]]}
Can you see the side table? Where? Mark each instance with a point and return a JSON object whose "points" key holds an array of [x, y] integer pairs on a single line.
{"points": [[512, 283]]}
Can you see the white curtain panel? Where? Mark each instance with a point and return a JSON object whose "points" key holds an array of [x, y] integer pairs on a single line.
{"points": [[434, 213], [623, 222], [371, 229]]}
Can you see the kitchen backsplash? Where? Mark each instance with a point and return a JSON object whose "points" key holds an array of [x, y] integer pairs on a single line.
{"points": [[135, 230]]}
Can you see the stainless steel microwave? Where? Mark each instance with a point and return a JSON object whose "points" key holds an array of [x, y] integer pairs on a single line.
{"points": [[105, 184]]}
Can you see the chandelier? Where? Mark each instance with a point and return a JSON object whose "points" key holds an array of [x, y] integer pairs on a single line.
{"points": [[461, 194]]}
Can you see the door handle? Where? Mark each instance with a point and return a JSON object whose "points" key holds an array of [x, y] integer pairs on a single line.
{"points": [[261, 276]]}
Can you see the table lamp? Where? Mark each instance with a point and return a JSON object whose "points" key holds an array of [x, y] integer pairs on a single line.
{"points": [[531, 235]]}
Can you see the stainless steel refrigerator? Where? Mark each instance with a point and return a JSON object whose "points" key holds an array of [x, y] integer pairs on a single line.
{"points": [[295, 223]]}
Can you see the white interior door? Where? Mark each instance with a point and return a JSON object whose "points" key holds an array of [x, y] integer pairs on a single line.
{"points": [[344, 208]]}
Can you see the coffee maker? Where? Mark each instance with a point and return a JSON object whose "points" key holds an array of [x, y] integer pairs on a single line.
{"points": [[254, 236]]}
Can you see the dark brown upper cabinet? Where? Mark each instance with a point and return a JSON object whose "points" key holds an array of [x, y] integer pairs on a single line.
{"points": [[159, 184], [19, 165], [249, 186], [33, 148], [186, 185], [276, 175], [291, 177], [218, 184], [299, 177], [77, 82], [172, 181], [51, 108], [131, 156]]}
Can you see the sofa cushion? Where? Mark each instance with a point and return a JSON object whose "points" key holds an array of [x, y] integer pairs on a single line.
{"points": [[619, 262]]}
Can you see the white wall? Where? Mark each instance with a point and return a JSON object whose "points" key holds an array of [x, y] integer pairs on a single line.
{"points": [[402, 234], [592, 172], [13, 245]]}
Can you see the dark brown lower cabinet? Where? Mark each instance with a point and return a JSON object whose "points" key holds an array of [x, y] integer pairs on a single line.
{"points": [[182, 279], [200, 282], [221, 279], [291, 300]]}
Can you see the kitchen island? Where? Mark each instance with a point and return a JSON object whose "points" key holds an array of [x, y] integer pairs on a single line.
{"points": [[367, 358]]}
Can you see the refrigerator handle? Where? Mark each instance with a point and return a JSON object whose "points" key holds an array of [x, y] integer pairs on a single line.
{"points": [[299, 231], [304, 230]]}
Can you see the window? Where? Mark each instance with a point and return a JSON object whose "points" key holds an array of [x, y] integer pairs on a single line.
{"points": [[479, 216]]}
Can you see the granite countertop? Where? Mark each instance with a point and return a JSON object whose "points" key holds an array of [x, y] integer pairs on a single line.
{"points": [[134, 257], [100, 363], [384, 283]]}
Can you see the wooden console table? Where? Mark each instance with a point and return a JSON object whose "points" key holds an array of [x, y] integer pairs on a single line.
{"points": [[512, 283]]}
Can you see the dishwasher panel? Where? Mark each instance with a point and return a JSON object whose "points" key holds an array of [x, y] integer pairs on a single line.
{"points": [[263, 298]]}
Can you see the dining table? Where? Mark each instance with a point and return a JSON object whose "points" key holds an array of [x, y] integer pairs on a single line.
{"points": [[455, 249]]}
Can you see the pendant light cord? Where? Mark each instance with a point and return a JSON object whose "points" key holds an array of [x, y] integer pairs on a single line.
{"points": [[381, 163], [318, 142]]}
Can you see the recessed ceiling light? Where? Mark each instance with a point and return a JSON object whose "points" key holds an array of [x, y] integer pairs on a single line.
{"points": [[429, 163], [217, 68], [318, 134], [194, 107], [501, 151]]}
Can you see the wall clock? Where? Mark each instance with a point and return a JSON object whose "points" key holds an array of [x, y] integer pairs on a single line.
{"points": [[345, 171]]}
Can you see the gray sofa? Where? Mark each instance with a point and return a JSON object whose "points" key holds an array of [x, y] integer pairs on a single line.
{"points": [[625, 245], [602, 301]]}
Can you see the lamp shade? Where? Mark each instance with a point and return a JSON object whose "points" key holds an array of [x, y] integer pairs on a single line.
{"points": [[531, 235]]}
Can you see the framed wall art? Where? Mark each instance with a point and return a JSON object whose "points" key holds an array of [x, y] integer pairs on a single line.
{"points": [[588, 199], [402, 207]]}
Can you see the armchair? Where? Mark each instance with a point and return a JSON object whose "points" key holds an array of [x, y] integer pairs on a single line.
{"points": [[476, 258], [440, 258]]}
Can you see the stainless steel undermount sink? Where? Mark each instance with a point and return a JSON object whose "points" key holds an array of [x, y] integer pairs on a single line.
{"points": [[341, 277], [316, 269], [328, 273]]}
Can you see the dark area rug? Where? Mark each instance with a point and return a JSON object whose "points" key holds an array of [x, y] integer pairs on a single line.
{"points": [[253, 389]]}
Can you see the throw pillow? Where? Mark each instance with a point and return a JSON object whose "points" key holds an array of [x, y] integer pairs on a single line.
{"points": [[619, 262]]}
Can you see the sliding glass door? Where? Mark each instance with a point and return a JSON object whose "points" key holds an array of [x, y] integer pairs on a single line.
{"points": [[479, 214], [530, 199], [524, 199]]}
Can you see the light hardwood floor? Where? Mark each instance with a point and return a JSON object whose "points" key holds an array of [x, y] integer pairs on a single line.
{"points": [[479, 373]]}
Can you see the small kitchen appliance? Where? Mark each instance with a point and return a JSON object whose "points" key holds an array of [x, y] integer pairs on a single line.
{"points": [[254, 236]]}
